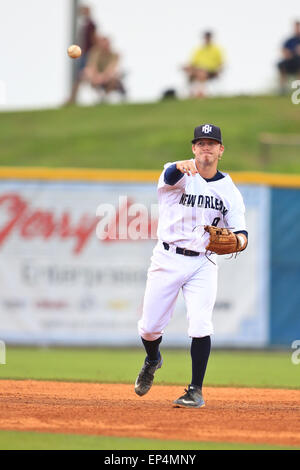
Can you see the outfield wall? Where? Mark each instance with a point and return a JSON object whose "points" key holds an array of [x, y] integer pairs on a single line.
{"points": [[76, 244]]}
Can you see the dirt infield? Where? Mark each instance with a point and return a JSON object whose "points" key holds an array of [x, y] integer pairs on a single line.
{"points": [[245, 415]]}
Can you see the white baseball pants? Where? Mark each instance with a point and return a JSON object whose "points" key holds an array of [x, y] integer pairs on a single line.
{"points": [[168, 273]]}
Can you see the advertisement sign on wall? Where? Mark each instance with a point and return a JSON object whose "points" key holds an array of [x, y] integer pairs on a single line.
{"points": [[75, 259]]}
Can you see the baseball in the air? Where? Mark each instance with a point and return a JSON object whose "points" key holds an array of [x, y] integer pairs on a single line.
{"points": [[74, 51]]}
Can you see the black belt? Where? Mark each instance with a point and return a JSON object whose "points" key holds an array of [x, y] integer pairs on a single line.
{"points": [[182, 251]]}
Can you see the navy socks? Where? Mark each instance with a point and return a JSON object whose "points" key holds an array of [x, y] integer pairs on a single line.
{"points": [[200, 351], [152, 349]]}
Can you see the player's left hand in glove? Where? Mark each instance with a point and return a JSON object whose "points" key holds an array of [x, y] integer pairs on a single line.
{"points": [[223, 241]]}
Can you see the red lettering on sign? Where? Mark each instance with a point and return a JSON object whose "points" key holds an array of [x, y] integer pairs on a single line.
{"points": [[15, 207], [130, 222], [42, 223]]}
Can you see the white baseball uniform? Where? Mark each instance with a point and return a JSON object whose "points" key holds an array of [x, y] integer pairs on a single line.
{"points": [[184, 209]]}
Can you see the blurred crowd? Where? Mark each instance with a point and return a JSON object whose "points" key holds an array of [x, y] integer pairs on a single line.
{"points": [[99, 64]]}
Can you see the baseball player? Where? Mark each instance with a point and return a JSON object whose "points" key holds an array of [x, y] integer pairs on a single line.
{"points": [[201, 215]]}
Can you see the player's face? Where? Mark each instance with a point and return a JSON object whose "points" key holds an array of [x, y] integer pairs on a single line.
{"points": [[207, 152]]}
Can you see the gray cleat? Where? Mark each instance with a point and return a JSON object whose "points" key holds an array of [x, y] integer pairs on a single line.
{"points": [[191, 399], [145, 378]]}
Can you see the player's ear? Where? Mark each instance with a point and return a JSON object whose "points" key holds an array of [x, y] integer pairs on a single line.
{"points": [[222, 148]]}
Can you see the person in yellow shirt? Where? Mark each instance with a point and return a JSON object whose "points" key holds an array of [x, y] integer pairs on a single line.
{"points": [[206, 63]]}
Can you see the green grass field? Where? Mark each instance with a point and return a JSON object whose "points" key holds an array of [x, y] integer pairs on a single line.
{"points": [[12, 440], [145, 136], [271, 369]]}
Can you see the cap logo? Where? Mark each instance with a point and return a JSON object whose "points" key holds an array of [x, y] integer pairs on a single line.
{"points": [[206, 129]]}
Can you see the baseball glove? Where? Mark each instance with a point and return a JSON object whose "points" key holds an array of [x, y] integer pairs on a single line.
{"points": [[221, 240]]}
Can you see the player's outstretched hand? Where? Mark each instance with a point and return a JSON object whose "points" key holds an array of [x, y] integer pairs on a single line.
{"points": [[187, 167]]}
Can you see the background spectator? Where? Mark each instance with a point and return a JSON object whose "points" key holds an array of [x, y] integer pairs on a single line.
{"points": [[206, 63], [102, 70], [290, 64]]}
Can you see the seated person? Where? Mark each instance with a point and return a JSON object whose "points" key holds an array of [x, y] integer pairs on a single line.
{"points": [[102, 68], [290, 64], [206, 63]]}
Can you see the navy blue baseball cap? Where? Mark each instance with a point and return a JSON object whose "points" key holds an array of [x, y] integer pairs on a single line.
{"points": [[207, 131]]}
